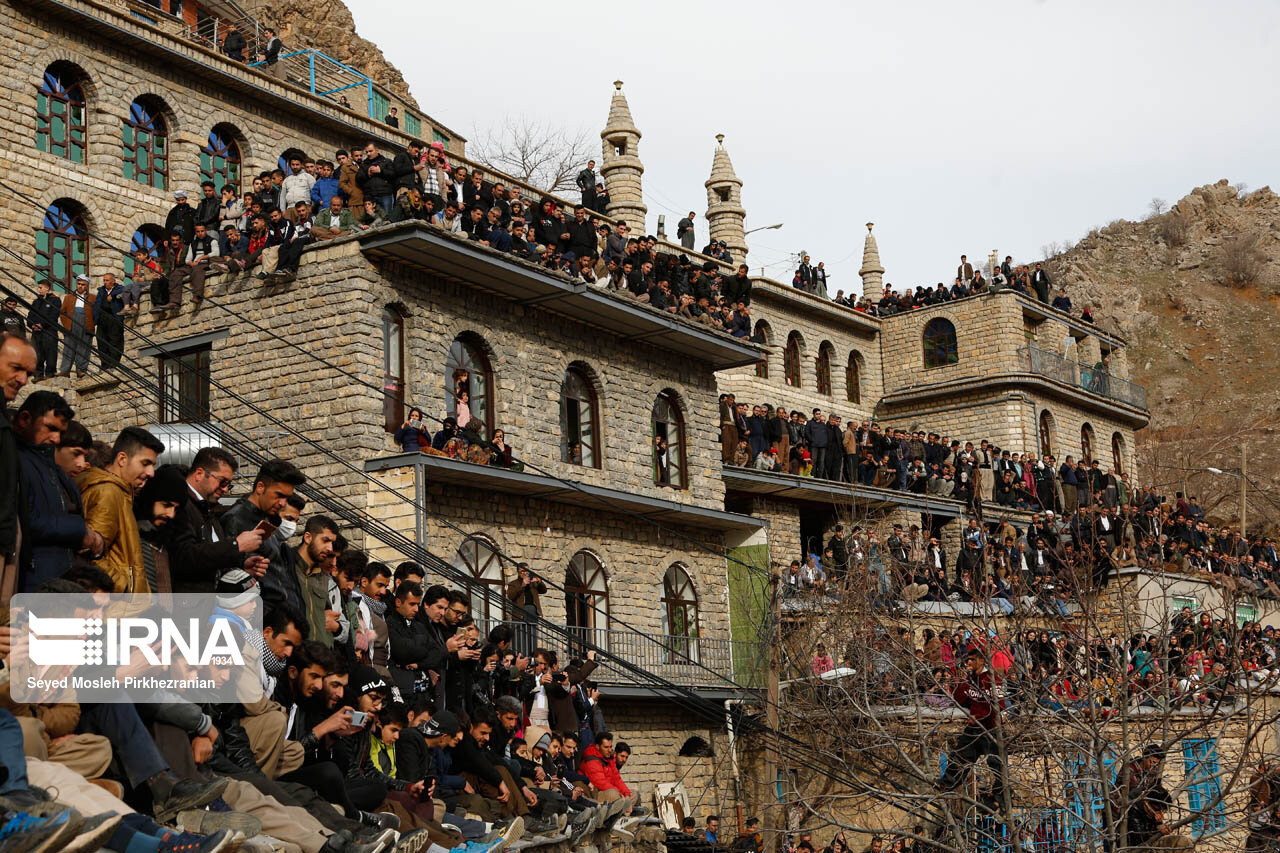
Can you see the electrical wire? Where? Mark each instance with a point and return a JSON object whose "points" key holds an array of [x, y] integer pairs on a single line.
{"points": [[683, 697], [406, 406]]}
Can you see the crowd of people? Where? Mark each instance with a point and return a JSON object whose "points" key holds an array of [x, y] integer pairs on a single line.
{"points": [[389, 720], [969, 281]]}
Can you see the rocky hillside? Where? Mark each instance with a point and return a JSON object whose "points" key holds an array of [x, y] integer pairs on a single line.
{"points": [[327, 25], [1196, 292]]}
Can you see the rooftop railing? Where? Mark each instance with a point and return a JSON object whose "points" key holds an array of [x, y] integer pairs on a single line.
{"points": [[1070, 372]]}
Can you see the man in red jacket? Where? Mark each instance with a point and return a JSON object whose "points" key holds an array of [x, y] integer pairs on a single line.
{"points": [[978, 694], [599, 766]]}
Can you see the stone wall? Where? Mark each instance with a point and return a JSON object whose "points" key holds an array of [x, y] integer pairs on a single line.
{"points": [[635, 556], [267, 116], [785, 312]]}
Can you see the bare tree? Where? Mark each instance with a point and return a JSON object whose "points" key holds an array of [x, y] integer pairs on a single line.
{"points": [[1050, 250], [879, 746], [541, 155], [1243, 259], [1240, 187], [1157, 206]]}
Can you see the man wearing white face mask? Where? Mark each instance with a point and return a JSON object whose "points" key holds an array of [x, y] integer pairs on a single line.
{"points": [[201, 551], [289, 516]]}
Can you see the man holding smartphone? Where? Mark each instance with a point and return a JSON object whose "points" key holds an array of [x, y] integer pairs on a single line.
{"points": [[524, 593]]}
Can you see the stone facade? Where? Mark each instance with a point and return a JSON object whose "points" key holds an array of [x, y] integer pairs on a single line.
{"points": [[198, 90], [725, 213], [620, 165]]}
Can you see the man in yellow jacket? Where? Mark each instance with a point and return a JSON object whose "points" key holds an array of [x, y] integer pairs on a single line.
{"points": [[108, 506]]}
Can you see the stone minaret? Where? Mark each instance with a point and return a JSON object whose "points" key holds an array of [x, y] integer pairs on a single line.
{"points": [[725, 213], [872, 273], [620, 164]]}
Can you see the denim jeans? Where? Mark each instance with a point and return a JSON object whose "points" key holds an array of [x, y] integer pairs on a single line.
{"points": [[13, 762], [132, 744]]}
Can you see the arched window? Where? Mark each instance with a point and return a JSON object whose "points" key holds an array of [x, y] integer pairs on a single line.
{"points": [[466, 369], [62, 245], [220, 158], [1086, 443], [60, 112], [148, 239], [1046, 433], [586, 593], [822, 369], [763, 336], [940, 343], [791, 360], [853, 378], [479, 559], [392, 368], [145, 138], [1117, 452], [668, 442], [579, 420], [290, 154], [680, 615]]}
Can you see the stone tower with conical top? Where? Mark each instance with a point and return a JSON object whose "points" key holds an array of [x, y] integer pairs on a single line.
{"points": [[725, 214], [620, 164], [872, 272]]}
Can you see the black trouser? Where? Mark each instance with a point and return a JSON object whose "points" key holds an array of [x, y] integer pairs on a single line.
{"points": [[159, 292], [110, 340], [291, 253], [973, 744], [325, 779], [818, 457], [46, 344]]}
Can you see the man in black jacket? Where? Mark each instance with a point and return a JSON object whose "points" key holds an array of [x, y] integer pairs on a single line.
{"points": [[209, 210], [43, 322], [182, 218], [586, 182], [582, 235], [233, 44], [1040, 281], [415, 652], [473, 762], [275, 482], [202, 551], [377, 177], [56, 529]]}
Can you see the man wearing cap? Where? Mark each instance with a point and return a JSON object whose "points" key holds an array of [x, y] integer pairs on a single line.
{"points": [[1148, 804], [181, 218], [77, 321]]}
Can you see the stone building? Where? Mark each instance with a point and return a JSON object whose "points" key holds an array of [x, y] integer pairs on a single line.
{"points": [[664, 566]]}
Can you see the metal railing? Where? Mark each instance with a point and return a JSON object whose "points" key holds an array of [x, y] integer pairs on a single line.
{"points": [[682, 660], [1068, 371], [1040, 830]]}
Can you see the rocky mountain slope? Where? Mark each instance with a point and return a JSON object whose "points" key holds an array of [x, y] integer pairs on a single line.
{"points": [[327, 26], [1196, 293]]}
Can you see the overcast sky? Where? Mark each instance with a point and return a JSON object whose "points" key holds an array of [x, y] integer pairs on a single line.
{"points": [[955, 127]]}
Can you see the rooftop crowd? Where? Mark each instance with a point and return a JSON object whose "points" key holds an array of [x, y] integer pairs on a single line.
{"points": [[389, 721], [968, 281], [1087, 521]]}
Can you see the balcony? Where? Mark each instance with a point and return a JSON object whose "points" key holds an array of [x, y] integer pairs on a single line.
{"points": [[690, 662], [1069, 372]]}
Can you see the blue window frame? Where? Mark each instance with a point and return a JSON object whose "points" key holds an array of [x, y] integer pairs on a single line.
{"points": [[1086, 796], [1204, 788]]}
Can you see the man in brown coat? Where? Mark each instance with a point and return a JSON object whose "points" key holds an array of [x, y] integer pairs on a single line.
{"points": [[108, 506], [348, 166], [77, 320], [526, 606], [728, 428]]}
